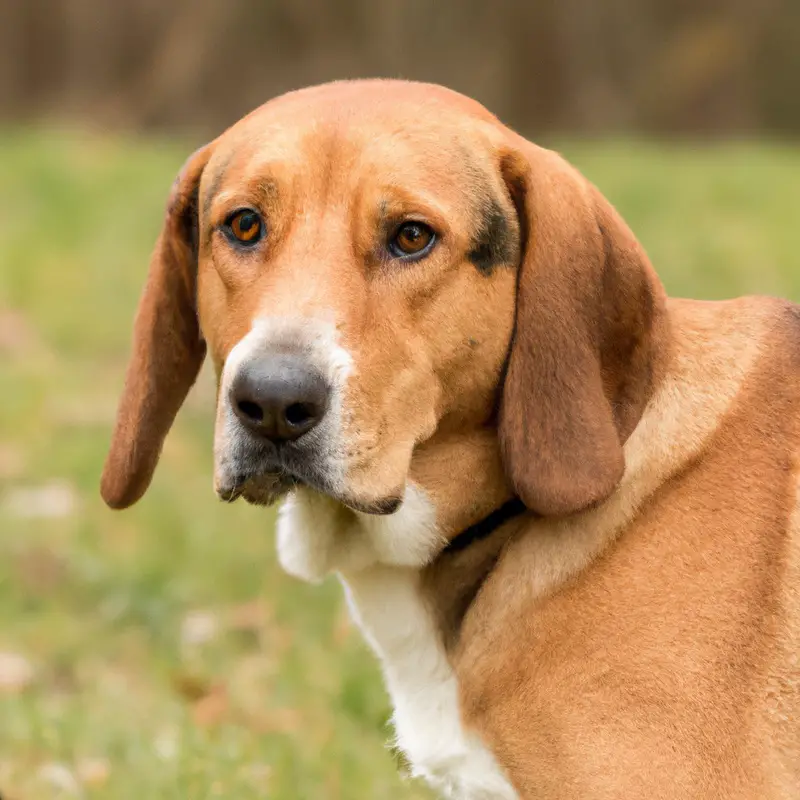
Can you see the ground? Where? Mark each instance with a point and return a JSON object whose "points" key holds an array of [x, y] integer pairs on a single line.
{"points": [[160, 652]]}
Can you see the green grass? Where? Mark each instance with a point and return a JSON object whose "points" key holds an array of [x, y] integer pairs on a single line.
{"points": [[282, 700]]}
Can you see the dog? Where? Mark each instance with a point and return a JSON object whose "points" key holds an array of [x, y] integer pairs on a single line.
{"points": [[565, 509]]}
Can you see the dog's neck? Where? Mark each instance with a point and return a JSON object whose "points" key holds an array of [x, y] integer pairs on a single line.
{"points": [[455, 481], [463, 478]]}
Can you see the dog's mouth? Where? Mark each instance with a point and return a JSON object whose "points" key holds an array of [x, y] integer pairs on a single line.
{"points": [[258, 489], [262, 472], [267, 481]]}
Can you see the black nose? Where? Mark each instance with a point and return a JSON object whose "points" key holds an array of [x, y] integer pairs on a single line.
{"points": [[279, 397]]}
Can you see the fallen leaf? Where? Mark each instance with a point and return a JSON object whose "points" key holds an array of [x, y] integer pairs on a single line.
{"points": [[17, 335], [47, 501], [60, 777], [166, 744], [252, 675], [210, 710], [39, 570], [279, 720], [250, 616], [62, 677], [12, 461], [93, 772], [199, 627], [191, 687], [16, 673]]}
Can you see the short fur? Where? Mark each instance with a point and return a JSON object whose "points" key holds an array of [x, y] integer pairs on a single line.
{"points": [[636, 633]]}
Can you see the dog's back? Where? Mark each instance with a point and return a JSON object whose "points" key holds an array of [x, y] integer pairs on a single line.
{"points": [[669, 666]]}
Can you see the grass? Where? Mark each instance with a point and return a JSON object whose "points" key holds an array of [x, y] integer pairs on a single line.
{"points": [[169, 656]]}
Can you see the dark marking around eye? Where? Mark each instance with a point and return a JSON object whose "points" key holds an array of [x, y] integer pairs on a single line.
{"points": [[494, 242]]}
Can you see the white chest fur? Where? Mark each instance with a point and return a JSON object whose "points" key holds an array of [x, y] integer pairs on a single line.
{"points": [[386, 603], [381, 583]]}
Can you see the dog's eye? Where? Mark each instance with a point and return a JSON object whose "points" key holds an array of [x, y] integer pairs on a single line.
{"points": [[412, 239], [245, 226]]}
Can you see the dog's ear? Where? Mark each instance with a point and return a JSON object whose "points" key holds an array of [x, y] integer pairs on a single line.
{"points": [[580, 367], [168, 349]]}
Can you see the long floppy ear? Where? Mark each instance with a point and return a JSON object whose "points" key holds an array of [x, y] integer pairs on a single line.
{"points": [[168, 349], [590, 312]]}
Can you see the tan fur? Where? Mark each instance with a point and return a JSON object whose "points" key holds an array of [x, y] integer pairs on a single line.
{"points": [[636, 635]]}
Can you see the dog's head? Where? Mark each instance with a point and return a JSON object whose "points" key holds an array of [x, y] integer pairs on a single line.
{"points": [[373, 264]]}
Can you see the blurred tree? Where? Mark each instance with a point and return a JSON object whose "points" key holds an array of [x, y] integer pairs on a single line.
{"points": [[690, 66]]}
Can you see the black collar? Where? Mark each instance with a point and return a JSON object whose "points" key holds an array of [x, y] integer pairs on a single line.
{"points": [[487, 526]]}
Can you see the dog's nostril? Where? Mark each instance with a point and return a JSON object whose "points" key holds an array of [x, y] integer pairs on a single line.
{"points": [[300, 413], [251, 410]]}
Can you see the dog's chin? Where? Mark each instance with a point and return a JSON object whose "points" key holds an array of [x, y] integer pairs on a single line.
{"points": [[268, 488], [258, 490]]}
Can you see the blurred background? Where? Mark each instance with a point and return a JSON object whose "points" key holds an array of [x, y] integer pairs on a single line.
{"points": [[657, 66], [160, 652]]}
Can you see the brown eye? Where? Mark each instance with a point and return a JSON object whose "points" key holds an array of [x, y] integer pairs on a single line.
{"points": [[245, 226], [412, 239]]}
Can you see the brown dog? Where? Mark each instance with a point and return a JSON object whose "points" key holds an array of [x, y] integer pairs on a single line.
{"points": [[417, 316]]}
